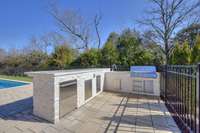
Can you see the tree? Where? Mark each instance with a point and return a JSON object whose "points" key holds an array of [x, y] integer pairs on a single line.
{"points": [[181, 54], [130, 48], [18, 63], [148, 38], [147, 58], [157, 53], [186, 53], [62, 56], [2, 55], [113, 37], [52, 40], [36, 60], [90, 58], [166, 16], [109, 54], [13, 62], [34, 45], [47, 41], [195, 57], [189, 33], [74, 24]]}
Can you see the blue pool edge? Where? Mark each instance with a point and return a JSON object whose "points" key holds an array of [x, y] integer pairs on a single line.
{"points": [[27, 83]]}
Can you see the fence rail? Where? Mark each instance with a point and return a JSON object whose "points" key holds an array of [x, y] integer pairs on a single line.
{"points": [[180, 89]]}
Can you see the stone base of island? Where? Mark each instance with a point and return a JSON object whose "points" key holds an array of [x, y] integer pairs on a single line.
{"points": [[56, 93]]}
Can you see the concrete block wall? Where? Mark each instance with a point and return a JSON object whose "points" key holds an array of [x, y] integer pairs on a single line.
{"points": [[121, 81]]}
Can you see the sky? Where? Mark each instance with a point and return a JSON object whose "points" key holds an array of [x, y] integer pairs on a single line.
{"points": [[22, 19]]}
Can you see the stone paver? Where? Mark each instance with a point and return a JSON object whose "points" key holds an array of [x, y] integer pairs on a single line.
{"points": [[108, 112]]}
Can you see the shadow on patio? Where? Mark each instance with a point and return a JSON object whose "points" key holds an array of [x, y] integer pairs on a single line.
{"points": [[108, 112], [140, 115], [21, 110]]}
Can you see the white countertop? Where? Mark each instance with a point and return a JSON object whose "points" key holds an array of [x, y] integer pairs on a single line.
{"points": [[65, 72]]}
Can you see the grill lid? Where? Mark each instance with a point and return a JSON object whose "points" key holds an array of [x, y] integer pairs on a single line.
{"points": [[143, 71]]}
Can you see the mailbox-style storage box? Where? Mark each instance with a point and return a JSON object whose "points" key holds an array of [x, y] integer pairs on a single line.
{"points": [[56, 93]]}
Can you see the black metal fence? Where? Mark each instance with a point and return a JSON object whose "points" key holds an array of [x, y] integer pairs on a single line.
{"points": [[180, 89]]}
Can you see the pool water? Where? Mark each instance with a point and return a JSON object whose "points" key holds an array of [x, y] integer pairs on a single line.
{"points": [[8, 84]]}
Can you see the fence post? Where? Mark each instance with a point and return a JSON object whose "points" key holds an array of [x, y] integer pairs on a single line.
{"points": [[197, 99], [166, 80]]}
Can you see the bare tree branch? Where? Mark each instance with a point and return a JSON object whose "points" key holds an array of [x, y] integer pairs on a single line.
{"points": [[72, 23], [97, 20]]}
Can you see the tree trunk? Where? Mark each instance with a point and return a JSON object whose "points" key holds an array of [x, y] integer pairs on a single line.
{"points": [[166, 52]]}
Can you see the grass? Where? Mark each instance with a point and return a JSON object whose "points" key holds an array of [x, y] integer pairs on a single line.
{"points": [[21, 78]]}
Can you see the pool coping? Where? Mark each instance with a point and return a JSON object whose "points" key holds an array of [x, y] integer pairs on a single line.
{"points": [[28, 83], [16, 80]]}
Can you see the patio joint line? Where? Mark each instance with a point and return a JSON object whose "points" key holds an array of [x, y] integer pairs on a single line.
{"points": [[151, 116]]}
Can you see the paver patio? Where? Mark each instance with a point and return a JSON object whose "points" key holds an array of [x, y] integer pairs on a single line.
{"points": [[108, 112]]}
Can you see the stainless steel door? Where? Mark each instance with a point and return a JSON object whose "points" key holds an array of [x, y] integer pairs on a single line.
{"points": [[68, 97], [98, 83], [88, 89]]}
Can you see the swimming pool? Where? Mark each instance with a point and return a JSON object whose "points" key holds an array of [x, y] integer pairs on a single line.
{"points": [[8, 84]]}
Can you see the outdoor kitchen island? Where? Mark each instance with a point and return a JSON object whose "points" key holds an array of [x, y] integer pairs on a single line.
{"points": [[57, 93]]}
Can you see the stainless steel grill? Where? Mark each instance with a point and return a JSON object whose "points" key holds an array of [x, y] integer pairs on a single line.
{"points": [[143, 77]]}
